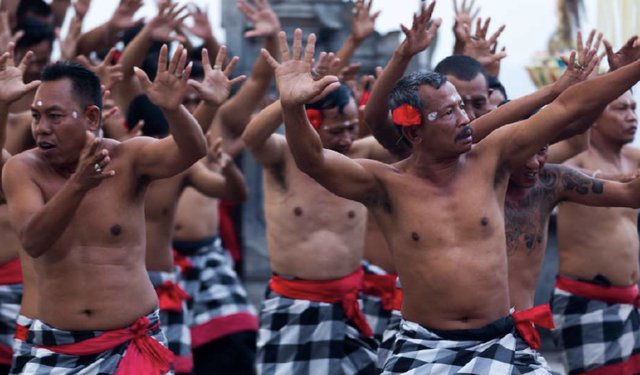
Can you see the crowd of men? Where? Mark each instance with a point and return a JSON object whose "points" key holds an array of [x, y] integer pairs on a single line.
{"points": [[407, 213]]}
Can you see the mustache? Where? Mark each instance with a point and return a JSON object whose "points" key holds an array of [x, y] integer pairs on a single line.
{"points": [[464, 133]]}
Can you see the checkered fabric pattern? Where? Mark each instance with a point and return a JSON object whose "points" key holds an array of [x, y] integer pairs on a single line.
{"points": [[10, 297], [215, 289], [376, 315], [593, 334], [174, 325], [420, 351], [46, 362], [22, 351], [389, 338], [307, 337]]}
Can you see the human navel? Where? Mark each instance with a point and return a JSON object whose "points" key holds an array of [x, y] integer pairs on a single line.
{"points": [[87, 312], [116, 230]]}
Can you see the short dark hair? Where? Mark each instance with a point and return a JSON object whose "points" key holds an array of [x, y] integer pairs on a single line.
{"points": [[338, 98], [141, 108], [36, 7], [84, 82], [35, 31], [462, 67], [494, 83], [407, 91]]}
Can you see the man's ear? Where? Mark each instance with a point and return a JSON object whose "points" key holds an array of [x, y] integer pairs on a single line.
{"points": [[94, 117], [412, 133]]}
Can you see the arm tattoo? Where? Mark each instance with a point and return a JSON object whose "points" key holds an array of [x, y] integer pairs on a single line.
{"points": [[575, 181]]}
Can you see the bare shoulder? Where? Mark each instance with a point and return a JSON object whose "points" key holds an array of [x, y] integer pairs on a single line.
{"points": [[633, 153]]}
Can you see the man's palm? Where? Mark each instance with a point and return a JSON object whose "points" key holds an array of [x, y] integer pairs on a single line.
{"points": [[12, 86], [167, 91], [295, 83]]}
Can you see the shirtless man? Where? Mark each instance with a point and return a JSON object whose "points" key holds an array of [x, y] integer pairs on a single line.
{"points": [[598, 251], [76, 202], [459, 188], [13, 89]]}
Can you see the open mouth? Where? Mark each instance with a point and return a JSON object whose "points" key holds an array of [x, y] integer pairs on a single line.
{"points": [[531, 175], [46, 145], [464, 135]]}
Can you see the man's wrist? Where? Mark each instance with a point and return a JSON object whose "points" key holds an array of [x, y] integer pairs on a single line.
{"points": [[356, 40]]}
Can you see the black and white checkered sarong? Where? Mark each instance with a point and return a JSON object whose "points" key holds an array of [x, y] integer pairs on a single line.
{"points": [[10, 297], [418, 350], [593, 334], [174, 326], [22, 351], [218, 306], [308, 337], [46, 362]]}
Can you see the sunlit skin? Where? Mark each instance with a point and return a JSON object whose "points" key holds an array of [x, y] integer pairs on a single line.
{"points": [[339, 130], [603, 241], [474, 93]]}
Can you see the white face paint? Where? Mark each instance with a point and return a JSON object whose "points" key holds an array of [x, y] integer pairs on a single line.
{"points": [[468, 97], [39, 103], [74, 114], [432, 116]]}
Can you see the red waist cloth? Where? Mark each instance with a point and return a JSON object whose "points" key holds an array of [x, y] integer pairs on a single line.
{"points": [[182, 261], [384, 287], [21, 332], [170, 296], [345, 290], [228, 230], [10, 272], [144, 355], [527, 320], [610, 294]]}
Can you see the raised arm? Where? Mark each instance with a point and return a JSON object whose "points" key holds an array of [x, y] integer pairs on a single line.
{"points": [[564, 150], [521, 140], [463, 16], [186, 145], [236, 112], [522, 107], [215, 87], [483, 50], [362, 26], [341, 175], [259, 138], [220, 178], [376, 112]]}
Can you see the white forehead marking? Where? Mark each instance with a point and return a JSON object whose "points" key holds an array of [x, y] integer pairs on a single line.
{"points": [[39, 103], [468, 97], [432, 116], [74, 114]]}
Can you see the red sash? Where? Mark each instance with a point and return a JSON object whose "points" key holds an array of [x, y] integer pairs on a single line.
{"points": [[610, 294], [182, 261], [170, 296], [343, 290], [384, 287], [10, 272], [145, 355], [21, 332], [527, 320]]}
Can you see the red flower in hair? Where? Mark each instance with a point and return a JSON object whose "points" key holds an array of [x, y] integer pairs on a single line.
{"points": [[315, 117], [365, 97], [406, 115]]}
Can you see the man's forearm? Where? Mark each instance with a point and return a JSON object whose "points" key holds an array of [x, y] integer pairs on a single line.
{"points": [[235, 184], [4, 118], [263, 125], [97, 39], [303, 140], [45, 227], [186, 133], [346, 52], [204, 114], [135, 53]]}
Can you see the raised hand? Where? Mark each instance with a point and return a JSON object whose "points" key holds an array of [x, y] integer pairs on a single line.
{"points": [[170, 85], [168, 20], [201, 25], [418, 38], [363, 22], [463, 16], [629, 53], [483, 50], [580, 65], [215, 153], [81, 8], [106, 95], [13, 87], [5, 32], [90, 171], [110, 75], [327, 64], [264, 19], [293, 77], [122, 18], [69, 45], [216, 86]]}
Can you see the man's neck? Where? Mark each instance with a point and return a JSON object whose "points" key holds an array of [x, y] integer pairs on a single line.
{"points": [[610, 151], [518, 193], [440, 170]]}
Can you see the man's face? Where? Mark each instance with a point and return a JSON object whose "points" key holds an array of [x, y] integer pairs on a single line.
{"points": [[59, 123], [41, 58], [339, 130], [527, 175], [495, 99], [474, 93], [618, 122], [191, 100], [446, 127]]}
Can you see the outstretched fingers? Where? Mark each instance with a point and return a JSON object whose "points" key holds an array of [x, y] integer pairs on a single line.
{"points": [[284, 46], [162, 59], [297, 44], [232, 65], [310, 48], [270, 60]]}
